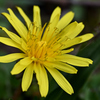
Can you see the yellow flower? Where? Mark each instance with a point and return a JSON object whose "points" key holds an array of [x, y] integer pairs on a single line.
{"points": [[44, 48]]}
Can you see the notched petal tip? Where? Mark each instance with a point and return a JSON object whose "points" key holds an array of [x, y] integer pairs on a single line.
{"points": [[90, 61], [76, 71], [80, 22], [75, 22], [36, 7], [23, 89], [71, 92], [44, 94], [82, 25]]}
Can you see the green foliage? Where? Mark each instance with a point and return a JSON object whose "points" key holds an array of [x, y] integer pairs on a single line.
{"points": [[92, 88], [7, 82]]}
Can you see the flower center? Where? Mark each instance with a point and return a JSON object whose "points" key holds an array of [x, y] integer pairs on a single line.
{"points": [[40, 49], [36, 49], [39, 46]]}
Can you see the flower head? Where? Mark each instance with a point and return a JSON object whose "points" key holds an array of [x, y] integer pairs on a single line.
{"points": [[44, 48]]}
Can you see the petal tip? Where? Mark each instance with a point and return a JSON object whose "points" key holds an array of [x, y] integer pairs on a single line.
{"points": [[24, 90], [92, 35], [12, 73], [8, 9], [3, 13], [91, 62], [72, 13], [17, 7], [76, 71], [71, 92], [43, 95], [58, 8], [36, 7]]}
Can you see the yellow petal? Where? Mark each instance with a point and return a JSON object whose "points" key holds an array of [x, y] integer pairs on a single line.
{"points": [[67, 51], [21, 65], [68, 29], [15, 25], [36, 20], [61, 81], [11, 57], [42, 78], [10, 42], [74, 60], [57, 11], [86, 37], [76, 31], [65, 20], [25, 61], [27, 77], [12, 35], [51, 30], [27, 20], [61, 66], [37, 71], [36, 16], [20, 25], [71, 42], [41, 32], [23, 44], [63, 35]]}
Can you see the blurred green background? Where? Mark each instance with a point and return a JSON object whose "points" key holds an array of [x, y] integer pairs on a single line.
{"points": [[87, 82]]}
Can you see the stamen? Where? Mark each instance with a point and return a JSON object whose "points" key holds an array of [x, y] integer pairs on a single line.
{"points": [[46, 32], [52, 34], [41, 32], [39, 49]]}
